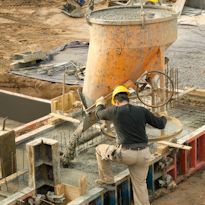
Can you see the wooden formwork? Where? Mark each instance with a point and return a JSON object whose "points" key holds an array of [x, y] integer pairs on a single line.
{"points": [[44, 163], [7, 154], [65, 102], [190, 162], [120, 194], [184, 164]]}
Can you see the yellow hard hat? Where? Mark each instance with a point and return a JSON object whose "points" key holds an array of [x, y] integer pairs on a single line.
{"points": [[119, 89], [153, 1]]}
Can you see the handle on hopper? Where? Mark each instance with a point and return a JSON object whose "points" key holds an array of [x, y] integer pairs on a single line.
{"points": [[107, 97], [155, 90], [142, 13]]}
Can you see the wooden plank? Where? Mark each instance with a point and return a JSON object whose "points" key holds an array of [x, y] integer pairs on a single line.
{"points": [[83, 185], [29, 56], [198, 93], [184, 92], [31, 165], [72, 192], [162, 149], [25, 128], [196, 133], [171, 144], [55, 121], [91, 195], [89, 109], [178, 6], [12, 177], [54, 104], [59, 189], [23, 194], [25, 96], [66, 118], [28, 136], [7, 153], [64, 102]]}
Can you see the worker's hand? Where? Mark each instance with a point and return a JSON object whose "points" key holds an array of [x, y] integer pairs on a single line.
{"points": [[160, 114], [109, 153], [100, 101]]}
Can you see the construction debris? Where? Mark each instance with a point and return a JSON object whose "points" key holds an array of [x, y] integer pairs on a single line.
{"points": [[28, 59], [171, 144], [73, 9], [77, 70], [54, 66], [167, 181], [36, 200], [55, 198]]}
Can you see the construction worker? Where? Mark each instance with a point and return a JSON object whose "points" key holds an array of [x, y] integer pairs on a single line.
{"points": [[131, 149]]}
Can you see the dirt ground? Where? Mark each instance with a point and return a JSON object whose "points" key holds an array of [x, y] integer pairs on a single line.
{"points": [[26, 26], [189, 192]]}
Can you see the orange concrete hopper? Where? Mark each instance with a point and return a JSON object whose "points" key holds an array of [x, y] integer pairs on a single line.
{"points": [[121, 48]]}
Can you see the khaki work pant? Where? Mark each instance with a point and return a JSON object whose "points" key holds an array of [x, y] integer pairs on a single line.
{"points": [[137, 162]]}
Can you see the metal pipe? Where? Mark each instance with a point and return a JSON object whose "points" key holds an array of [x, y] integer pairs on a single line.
{"points": [[4, 123]]}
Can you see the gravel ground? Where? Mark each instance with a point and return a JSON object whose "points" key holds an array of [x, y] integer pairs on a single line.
{"points": [[188, 52]]}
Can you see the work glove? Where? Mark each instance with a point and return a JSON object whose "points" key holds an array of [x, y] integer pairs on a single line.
{"points": [[100, 101], [160, 114]]}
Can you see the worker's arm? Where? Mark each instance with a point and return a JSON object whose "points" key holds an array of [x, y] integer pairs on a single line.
{"points": [[157, 122], [103, 113]]}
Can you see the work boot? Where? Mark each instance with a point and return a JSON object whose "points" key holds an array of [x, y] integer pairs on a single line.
{"points": [[100, 181], [110, 185]]}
